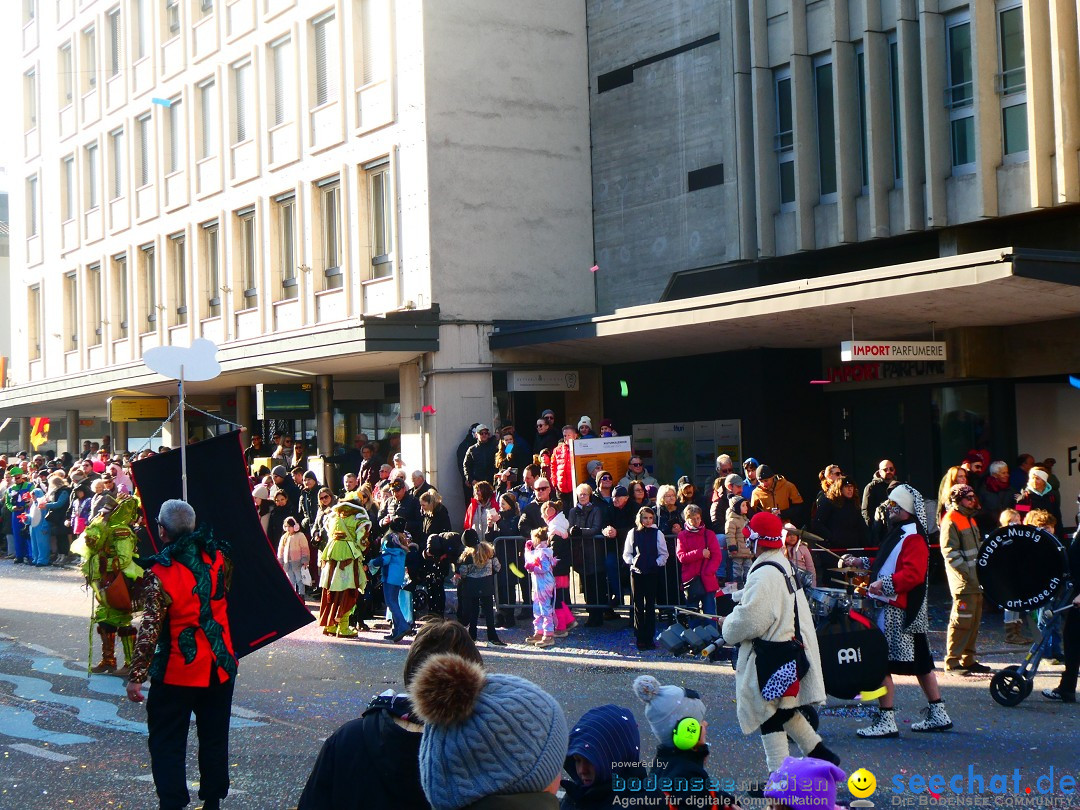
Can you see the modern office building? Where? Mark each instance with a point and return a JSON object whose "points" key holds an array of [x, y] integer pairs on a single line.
{"points": [[342, 195], [774, 177]]}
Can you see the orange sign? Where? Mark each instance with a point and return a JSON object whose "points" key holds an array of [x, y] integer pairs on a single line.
{"points": [[612, 451]]}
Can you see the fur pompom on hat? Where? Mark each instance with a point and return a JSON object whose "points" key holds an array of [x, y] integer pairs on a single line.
{"points": [[484, 734], [665, 706]]}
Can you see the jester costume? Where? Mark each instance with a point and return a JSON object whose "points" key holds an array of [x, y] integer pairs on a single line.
{"points": [[540, 563], [107, 548], [185, 649], [20, 495], [341, 563]]}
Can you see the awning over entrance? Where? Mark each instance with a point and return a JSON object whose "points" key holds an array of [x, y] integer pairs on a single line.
{"points": [[367, 348], [988, 288]]}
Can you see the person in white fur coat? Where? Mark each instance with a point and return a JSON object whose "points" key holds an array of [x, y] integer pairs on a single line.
{"points": [[766, 610]]}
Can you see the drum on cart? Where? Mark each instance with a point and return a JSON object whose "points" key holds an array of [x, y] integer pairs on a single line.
{"points": [[823, 601], [1024, 568]]}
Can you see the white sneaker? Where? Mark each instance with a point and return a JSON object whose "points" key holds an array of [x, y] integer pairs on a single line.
{"points": [[883, 728], [936, 719]]}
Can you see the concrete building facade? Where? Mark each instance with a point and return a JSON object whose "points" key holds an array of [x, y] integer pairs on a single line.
{"points": [[339, 193], [772, 177]]}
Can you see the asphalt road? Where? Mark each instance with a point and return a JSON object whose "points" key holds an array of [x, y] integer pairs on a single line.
{"points": [[70, 741]]}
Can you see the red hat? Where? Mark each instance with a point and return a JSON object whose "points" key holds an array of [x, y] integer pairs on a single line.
{"points": [[765, 529]]}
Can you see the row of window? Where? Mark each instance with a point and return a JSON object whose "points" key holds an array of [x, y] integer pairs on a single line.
{"points": [[958, 99], [79, 71], [217, 274]]}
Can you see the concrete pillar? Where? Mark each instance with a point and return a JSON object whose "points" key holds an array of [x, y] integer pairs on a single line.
{"points": [[807, 185], [846, 104], [120, 436], [911, 120], [324, 414], [763, 96], [879, 135], [415, 436], [24, 433], [72, 420], [984, 68], [1060, 100], [938, 156], [243, 412], [744, 127]]}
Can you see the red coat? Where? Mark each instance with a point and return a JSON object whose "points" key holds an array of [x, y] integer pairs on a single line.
{"points": [[474, 505], [562, 468], [689, 551], [186, 625]]}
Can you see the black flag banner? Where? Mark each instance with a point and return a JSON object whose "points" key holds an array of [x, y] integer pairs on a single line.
{"points": [[263, 607]]}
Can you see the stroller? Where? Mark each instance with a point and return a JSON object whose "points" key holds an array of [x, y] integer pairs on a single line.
{"points": [[1025, 568]]}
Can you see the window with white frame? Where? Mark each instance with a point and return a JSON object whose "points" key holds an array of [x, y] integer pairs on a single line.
{"points": [[141, 11], [66, 69], [117, 157], [175, 118], [784, 139], [144, 157], [243, 118], [149, 302], [282, 82], [88, 61], [30, 102], [211, 268], [1012, 80], [245, 242], [324, 47], [824, 109], [179, 278], [959, 93], [860, 90], [380, 213], [29, 11], [286, 239], [71, 312], [122, 285], [93, 176], [208, 129], [34, 331], [202, 8], [32, 205], [116, 41], [172, 19], [374, 40], [67, 170], [96, 295], [329, 201]]}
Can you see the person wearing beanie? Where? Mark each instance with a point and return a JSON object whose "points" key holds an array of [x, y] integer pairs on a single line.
{"points": [[960, 540], [475, 578], [283, 482], [773, 608], [605, 743], [294, 554], [899, 574], [383, 744], [18, 498], [805, 782], [739, 551], [392, 561], [1039, 494], [490, 741], [677, 719], [776, 494]]}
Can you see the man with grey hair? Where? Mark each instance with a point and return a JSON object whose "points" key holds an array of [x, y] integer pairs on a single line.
{"points": [[419, 484], [996, 494], [185, 649]]}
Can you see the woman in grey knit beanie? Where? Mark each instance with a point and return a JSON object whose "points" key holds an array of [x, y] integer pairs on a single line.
{"points": [[490, 740]]}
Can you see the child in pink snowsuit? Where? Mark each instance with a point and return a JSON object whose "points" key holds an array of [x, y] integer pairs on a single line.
{"points": [[540, 562]]}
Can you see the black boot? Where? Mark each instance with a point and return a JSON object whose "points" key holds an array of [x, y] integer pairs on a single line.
{"points": [[821, 752]]}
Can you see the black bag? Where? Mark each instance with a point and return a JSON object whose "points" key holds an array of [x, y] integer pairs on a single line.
{"points": [[694, 590], [780, 664]]}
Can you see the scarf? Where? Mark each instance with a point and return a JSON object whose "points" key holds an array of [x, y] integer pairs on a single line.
{"points": [[993, 485], [185, 549]]}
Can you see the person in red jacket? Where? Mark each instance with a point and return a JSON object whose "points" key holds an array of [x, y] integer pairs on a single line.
{"points": [[185, 648], [898, 577], [562, 467], [701, 557]]}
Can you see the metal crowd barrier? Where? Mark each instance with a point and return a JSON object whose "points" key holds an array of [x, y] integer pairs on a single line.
{"points": [[599, 579]]}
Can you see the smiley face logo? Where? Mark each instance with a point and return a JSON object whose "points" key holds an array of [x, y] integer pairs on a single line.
{"points": [[862, 783]]}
